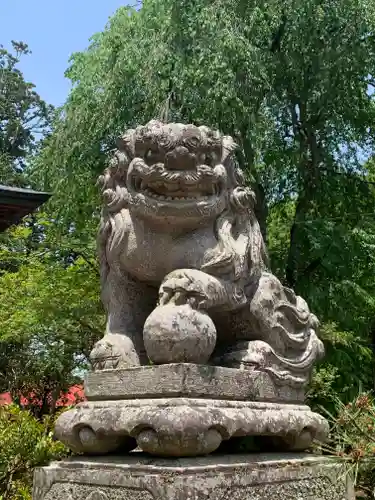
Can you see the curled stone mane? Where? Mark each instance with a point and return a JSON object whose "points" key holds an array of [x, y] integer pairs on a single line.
{"points": [[240, 252], [115, 200]]}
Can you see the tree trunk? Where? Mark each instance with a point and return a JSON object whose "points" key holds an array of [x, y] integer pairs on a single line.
{"points": [[291, 269], [310, 158]]}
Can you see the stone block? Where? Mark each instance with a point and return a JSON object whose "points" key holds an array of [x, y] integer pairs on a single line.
{"points": [[188, 380], [216, 477]]}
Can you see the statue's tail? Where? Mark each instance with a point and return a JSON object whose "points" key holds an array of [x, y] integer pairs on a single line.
{"points": [[258, 355]]}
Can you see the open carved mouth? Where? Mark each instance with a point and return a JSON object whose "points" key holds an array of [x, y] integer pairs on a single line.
{"points": [[176, 191]]}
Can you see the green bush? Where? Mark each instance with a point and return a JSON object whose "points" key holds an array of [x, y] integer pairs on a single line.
{"points": [[353, 441], [25, 443]]}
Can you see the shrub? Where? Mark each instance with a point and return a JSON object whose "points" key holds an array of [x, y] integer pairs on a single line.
{"points": [[353, 441], [25, 443]]}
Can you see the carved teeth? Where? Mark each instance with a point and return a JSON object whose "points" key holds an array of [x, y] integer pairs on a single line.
{"points": [[162, 197]]}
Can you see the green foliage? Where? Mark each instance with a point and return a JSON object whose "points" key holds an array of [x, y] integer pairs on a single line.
{"points": [[23, 116], [339, 374], [52, 318], [51, 313], [25, 443], [335, 250], [353, 441], [279, 222]]}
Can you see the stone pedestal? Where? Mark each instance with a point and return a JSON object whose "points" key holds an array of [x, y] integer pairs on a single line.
{"points": [[216, 477], [185, 285], [183, 410]]}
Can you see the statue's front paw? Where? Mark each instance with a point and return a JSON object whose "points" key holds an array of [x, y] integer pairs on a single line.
{"points": [[114, 351], [190, 286]]}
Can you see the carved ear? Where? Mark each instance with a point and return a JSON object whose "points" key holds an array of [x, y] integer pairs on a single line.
{"points": [[228, 159], [228, 148], [126, 143]]}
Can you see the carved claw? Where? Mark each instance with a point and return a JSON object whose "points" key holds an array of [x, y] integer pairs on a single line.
{"points": [[114, 351], [178, 293], [193, 287]]}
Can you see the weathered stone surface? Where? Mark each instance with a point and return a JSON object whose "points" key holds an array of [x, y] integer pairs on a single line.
{"points": [[188, 380], [220, 477], [186, 427], [184, 279], [179, 334], [178, 222], [86, 492]]}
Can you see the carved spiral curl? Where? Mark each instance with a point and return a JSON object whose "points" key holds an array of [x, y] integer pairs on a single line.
{"points": [[246, 257]]}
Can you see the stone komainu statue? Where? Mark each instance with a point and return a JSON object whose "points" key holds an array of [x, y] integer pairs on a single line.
{"points": [[185, 285], [178, 227]]}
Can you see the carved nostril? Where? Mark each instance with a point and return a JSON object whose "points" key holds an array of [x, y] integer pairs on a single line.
{"points": [[180, 159]]}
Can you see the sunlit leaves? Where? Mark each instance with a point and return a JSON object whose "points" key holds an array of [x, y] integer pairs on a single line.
{"points": [[25, 443], [50, 318], [24, 116]]}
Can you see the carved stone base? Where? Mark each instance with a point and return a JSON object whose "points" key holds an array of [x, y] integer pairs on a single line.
{"points": [[219, 477], [186, 427], [190, 380], [187, 409]]}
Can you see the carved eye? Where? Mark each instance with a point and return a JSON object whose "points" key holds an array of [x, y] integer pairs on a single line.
{"points": [[192, 142], [152, 155], [207, 159]]}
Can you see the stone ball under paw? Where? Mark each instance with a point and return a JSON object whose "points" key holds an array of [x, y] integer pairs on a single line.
{"points": [[179, 334]]}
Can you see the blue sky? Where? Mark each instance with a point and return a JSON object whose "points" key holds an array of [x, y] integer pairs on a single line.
{"points": [[53, 29]]}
